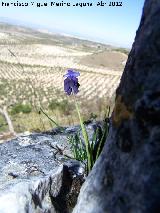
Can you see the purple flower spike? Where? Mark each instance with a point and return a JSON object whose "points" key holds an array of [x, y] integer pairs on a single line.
{"points": [[71, 74], [71, 84]]}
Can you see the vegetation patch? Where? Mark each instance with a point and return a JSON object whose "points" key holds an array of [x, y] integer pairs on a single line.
{"points": [[18, 108]]}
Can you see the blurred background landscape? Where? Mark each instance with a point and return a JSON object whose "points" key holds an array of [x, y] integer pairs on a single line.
{"points": [[34, 57], [32, 65]]}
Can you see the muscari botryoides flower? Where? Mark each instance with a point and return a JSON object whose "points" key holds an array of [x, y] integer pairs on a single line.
{"points": [[71, 84]]}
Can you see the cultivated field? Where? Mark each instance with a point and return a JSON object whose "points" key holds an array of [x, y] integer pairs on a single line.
{"points": [[32, 65]]}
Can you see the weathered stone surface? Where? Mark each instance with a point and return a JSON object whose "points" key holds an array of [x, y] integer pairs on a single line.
{"points": [[35, 175], [126, 177]]}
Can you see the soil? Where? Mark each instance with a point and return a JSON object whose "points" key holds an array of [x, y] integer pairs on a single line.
{"points": [[110, 59]]}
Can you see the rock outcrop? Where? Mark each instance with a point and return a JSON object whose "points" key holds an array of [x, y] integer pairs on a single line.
{"points": [[36, 176], [126, 177]]}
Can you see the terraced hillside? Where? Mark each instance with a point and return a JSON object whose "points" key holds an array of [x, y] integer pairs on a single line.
{"points": [[32, 65]]}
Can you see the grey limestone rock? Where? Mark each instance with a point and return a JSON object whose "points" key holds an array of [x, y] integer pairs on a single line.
{"points": [[126, 177], [35, 177]]}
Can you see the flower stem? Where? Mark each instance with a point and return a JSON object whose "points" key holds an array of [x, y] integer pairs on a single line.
{"points": [[49, 117], [85, 135]]}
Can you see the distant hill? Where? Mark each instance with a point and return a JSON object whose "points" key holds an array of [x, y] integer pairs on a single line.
{"points": [[7, 26], [110, 59]]}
